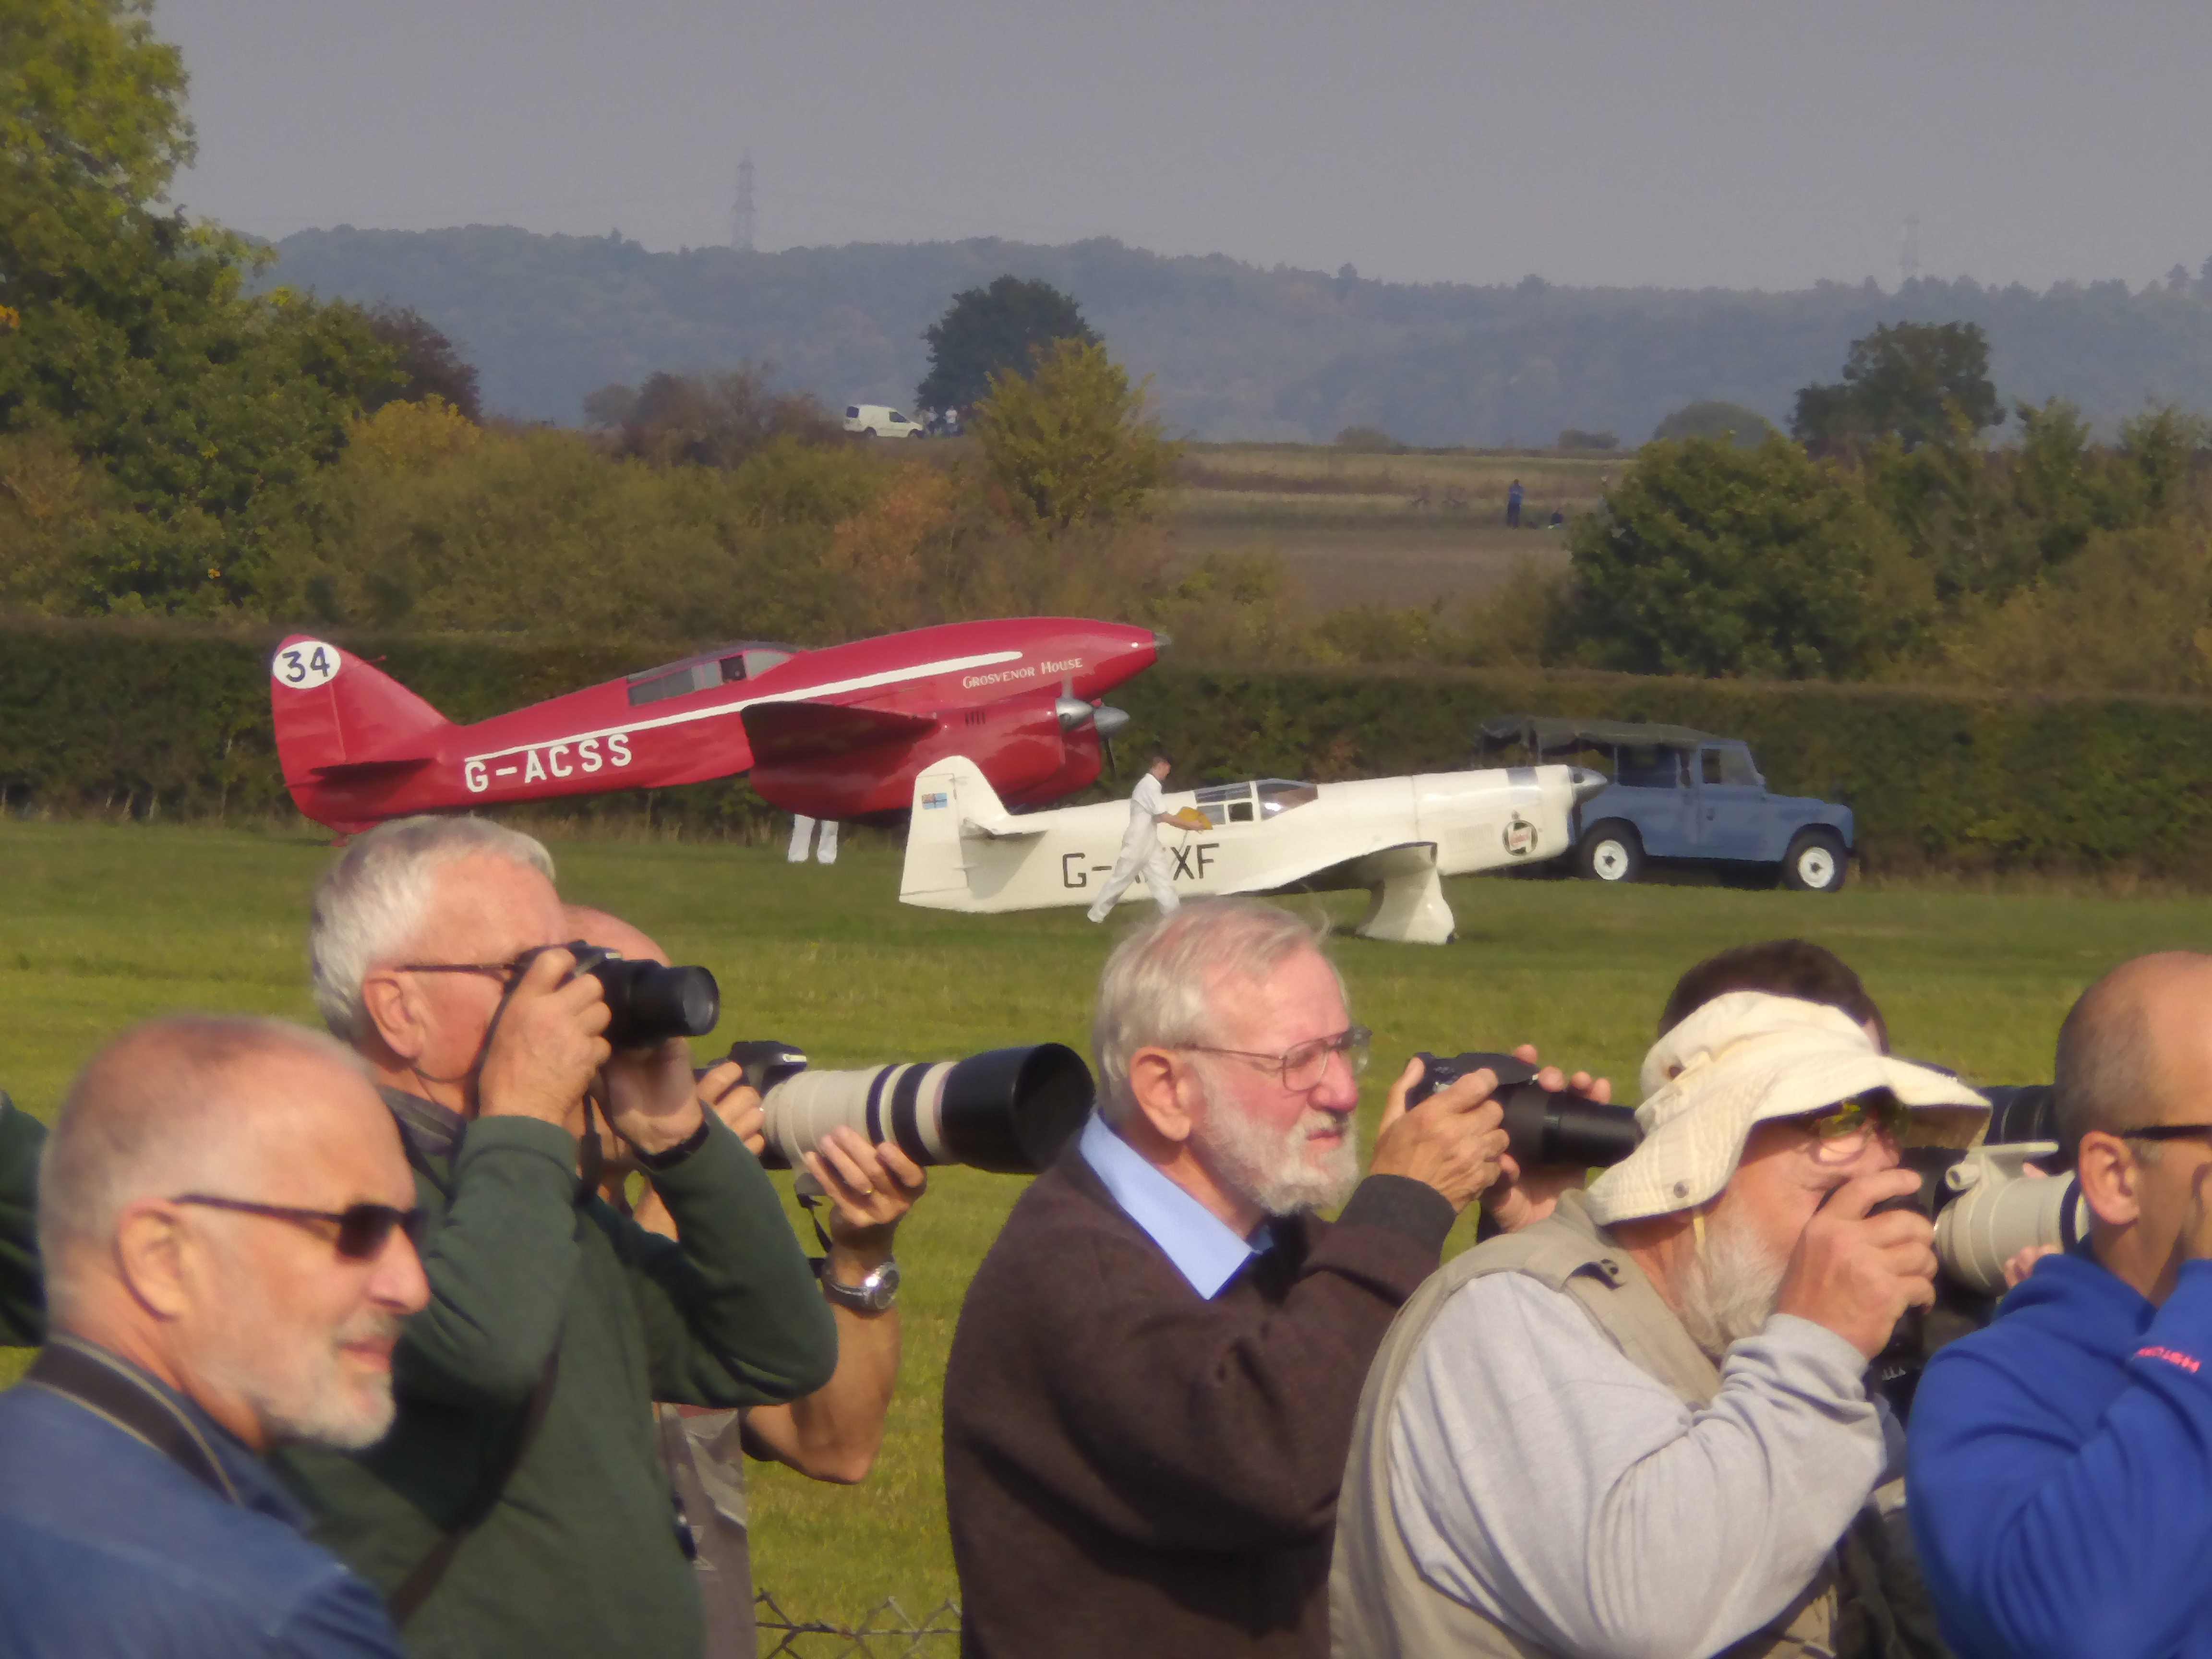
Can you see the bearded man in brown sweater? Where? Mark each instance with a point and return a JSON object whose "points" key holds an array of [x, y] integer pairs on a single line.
{"points": [[1151, 1393]]}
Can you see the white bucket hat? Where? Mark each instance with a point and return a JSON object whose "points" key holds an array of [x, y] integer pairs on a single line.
{"points": [[1742, 1059]]}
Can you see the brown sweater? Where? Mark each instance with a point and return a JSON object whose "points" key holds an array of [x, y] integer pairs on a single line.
{"points": [[1131, 1469]]}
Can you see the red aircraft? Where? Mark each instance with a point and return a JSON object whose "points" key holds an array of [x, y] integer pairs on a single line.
{"points": [[835, 734]]}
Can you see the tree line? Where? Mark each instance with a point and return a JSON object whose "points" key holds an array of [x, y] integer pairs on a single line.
{"points": [[1239, 351], [1888, 538]]}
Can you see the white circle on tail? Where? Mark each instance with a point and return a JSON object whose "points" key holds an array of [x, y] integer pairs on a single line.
{"points": [[304, 663]]}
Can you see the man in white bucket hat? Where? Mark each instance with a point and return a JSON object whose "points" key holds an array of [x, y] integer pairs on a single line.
{"points": [[1639, 1426]]}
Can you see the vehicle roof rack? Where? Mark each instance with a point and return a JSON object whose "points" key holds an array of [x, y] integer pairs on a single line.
{"points": [[1544, 734]]}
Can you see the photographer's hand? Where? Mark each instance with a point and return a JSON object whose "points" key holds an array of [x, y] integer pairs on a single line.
{"points": [[1521, 1196], [651, 1102], [724, 1092], [1450, 1141], [870, 1190], [547, 1045], [1857, 1274]]}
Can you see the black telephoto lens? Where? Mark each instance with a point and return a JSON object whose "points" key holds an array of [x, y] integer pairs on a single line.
{"points": [[1541, 1127]]}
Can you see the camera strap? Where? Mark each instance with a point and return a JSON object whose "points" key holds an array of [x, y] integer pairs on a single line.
{"points": [[416, 1588], [106, 1389]]}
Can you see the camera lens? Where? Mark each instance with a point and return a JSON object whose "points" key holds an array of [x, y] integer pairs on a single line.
{"points": [[1541, 1127], [649, 1004], [1010, 1110]]}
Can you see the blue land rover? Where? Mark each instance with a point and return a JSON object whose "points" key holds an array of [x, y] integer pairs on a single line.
{"points": [[1678, 793]]}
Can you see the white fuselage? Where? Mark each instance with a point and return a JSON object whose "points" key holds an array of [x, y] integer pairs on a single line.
{"points": [[964, 853]]}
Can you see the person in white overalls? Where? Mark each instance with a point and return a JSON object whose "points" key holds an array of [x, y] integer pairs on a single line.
{"points": [[1141, 852]]}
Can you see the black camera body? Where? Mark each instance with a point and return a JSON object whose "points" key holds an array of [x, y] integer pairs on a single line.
{"points": [[1541, 1127], [647, 1003]]}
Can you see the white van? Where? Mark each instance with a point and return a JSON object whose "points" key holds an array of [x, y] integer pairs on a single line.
{"points": [[878, 421]]}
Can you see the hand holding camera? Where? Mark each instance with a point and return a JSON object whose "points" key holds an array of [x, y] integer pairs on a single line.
{"points": [[724, 1092], [870, 1188], [1857, 1273], [1450, 1139], [1528, 1191], [548, 1045]]}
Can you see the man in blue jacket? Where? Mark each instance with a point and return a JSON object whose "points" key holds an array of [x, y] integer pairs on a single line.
{"points": [[224, 1220], [2061, 1461]]}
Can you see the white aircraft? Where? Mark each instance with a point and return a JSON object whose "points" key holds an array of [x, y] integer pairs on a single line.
{"points": [[1394, 837]]}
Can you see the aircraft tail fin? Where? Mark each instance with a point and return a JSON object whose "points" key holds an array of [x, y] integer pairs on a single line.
{"points": [[336, 716], [952, 799]]}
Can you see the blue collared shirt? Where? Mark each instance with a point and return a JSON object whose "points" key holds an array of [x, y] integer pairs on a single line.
{"points": [[108, 1547], [1205, 1248]]}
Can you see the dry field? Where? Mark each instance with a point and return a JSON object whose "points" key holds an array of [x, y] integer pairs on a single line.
{"points": [[1410, 529]]}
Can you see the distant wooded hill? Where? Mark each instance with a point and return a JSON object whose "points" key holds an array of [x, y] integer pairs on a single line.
{"points": [[1235, 350]]}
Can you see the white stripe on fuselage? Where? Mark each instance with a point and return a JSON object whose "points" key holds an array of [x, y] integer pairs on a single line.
{"points": [[797, 693]]}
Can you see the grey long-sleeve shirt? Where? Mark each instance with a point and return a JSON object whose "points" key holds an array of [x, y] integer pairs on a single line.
{"points": [[1541, 1478]]}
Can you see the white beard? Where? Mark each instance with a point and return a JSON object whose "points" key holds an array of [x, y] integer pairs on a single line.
{"points": [[302, 1388], [1729, 1292], [1279, 1173]]}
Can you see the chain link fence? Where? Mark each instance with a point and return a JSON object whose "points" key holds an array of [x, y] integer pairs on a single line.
{"points": [[886, 1631]]}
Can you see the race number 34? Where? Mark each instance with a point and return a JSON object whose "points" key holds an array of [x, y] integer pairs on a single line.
{"points": [[303, 664]]}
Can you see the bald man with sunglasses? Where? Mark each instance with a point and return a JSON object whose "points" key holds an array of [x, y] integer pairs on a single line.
{"points": [[226, 1222], [2062, 1458]]}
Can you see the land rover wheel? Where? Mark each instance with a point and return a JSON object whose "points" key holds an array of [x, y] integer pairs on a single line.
{"points": [[1815, 862], [1612, 851]]}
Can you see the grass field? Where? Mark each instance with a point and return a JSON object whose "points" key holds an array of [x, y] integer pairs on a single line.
{"points": [[102, 925], [1379, 529]]}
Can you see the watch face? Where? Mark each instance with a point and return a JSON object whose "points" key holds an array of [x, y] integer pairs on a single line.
{"points": [[881, 1285]]}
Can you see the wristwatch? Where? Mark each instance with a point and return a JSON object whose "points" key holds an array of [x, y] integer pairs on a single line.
{"points": [[871, 1295]]}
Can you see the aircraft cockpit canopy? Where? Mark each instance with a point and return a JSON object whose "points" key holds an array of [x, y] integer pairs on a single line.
{"points": [[1252, 801], [725, 665]]}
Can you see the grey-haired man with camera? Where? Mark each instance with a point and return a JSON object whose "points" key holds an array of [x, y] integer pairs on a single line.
{"points": [[519, 1503], [1639, 1426], [1151, 1388]]}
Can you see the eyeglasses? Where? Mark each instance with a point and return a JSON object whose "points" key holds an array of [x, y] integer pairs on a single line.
{"points": [[1858, 1114], [502, 971], [363, 1229], [2168, 1132], [1303, 1067]]}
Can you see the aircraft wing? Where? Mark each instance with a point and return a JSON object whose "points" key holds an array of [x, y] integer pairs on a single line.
{"points": [[1326, 870], [785, 731]]}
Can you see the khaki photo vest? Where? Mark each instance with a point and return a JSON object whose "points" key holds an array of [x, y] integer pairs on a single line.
{"points": [[1380, 1606]]}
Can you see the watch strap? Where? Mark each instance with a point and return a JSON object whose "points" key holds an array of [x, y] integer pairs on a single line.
{"points": [[669, 1158], [871, 1295]]}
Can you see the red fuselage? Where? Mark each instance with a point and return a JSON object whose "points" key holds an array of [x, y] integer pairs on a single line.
{"points": [[834, 733]]}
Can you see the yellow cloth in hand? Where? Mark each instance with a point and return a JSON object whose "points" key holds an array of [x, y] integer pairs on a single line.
{"points": [[1189, 818]]}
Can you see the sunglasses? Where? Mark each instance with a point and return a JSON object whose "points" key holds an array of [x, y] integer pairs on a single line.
{"points": [[363, 1229], [1859, 1113]]}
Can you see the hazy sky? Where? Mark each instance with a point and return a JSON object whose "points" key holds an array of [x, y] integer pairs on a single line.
{"points": [[1681, 142]]}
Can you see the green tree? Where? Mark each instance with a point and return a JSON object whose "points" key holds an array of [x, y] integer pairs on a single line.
{"points": [[1911, 381], [717, 420], [426, 364], [994, 330], [1707, 559], [1073, 444], [1714, 417], [205, 410]]}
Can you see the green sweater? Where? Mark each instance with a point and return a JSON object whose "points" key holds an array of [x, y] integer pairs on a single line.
{"points": [[23, 1294], [580, 1554]]}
